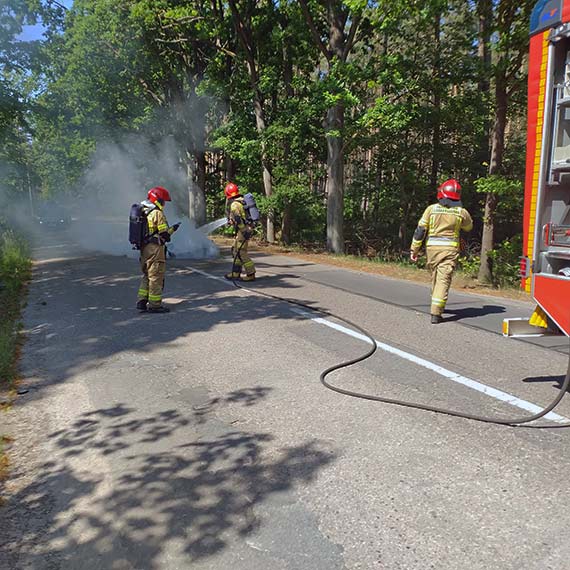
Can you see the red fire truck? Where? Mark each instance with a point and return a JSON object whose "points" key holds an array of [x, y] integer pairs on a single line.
{"points": [[545, 265]]}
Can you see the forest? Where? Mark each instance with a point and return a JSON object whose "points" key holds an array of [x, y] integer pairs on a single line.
{"points": [[342, 117]]}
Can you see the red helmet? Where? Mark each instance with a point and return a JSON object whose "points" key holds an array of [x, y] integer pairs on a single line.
{"points": [[158, 193], [231, 190], [449, 189]]}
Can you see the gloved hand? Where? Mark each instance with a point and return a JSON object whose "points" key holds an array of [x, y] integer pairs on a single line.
{"points": [[175, 226], [247, 234]]}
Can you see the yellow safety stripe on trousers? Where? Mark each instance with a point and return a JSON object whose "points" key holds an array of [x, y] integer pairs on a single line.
{"points": [[438, 302], [451, 242], [155, 297], [143, 292]]}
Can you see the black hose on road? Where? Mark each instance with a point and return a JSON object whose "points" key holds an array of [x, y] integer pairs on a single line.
{"points": [[372, 350]]}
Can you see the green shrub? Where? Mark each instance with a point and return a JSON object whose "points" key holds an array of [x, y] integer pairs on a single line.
{"points": [[505, 262], [469, 265], [14, 260], [15, 267]]}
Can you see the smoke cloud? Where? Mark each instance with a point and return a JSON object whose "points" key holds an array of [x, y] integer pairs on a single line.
{"points": [[121, 175]]}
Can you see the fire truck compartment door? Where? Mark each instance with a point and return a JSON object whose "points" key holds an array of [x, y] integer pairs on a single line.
{"points": [[552, 293]]}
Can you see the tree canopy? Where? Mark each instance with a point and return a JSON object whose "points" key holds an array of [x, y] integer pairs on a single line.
{"points": [[342, 117]]}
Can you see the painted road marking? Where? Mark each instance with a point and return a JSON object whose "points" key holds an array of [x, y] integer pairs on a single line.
{"points": [[453, 376], [221, 280], [449, 374]]}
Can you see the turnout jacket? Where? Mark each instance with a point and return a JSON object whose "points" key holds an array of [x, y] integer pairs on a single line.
{"points": [[237, 214], [440, 226], [158, 229]]}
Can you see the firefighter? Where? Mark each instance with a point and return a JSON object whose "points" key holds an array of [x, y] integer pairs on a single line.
{"points": [[153, 251], [439, 228], [237, 217]]}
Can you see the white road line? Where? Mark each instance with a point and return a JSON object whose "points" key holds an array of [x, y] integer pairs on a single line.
{"points": [[453, 376], [221, 280], [449, 374]]}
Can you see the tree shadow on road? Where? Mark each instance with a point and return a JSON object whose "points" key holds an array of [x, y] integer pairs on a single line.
{"points": [[175, 492], [81, 314]]}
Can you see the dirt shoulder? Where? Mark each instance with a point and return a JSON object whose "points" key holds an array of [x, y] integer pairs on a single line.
{"points": [[461, 282]]}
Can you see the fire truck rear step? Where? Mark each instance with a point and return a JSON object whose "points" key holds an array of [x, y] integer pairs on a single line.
{"points": [[521, 327]]}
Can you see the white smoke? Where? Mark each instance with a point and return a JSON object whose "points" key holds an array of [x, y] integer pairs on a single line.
{"points": [[191, 243], [121, 175]]}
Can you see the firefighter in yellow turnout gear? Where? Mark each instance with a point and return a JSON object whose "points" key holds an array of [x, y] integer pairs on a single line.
{"points": [[440, 227], [238, 219], [153, 252]]}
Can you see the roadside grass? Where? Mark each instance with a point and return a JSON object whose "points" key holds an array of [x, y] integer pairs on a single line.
{"points": [[15, 267], [15, 270]]}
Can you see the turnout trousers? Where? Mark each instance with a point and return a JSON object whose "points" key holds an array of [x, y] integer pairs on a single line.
{"points": [[441, 262], [242, 261], [153, 267]]}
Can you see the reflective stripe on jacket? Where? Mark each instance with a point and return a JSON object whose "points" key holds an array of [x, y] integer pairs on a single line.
{"points": [[156, 221], [443, 226]]}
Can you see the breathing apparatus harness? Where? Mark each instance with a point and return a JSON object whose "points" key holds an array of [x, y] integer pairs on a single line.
{"points": [[345, 364]]}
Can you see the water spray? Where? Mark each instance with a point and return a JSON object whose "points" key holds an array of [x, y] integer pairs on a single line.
{"points": [[207, 229]]}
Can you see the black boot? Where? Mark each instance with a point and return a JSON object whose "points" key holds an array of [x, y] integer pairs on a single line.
{"points": [[141, 304], [436, 319], [161, 309]]}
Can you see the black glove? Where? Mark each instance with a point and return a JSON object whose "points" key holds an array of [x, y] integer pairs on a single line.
{"points": [[175, 226], [247, 234]]}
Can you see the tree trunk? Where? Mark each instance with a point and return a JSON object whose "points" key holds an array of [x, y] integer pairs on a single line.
{"points": [[287, 214], [485, 16], [335, 180], [436, 135], [286, 224], [495, 167], [337, 49], [230, 168], [229, 163], [267, 182], [243, 29], [196, 198], [487, 241], [201, 183], [335, 145]]}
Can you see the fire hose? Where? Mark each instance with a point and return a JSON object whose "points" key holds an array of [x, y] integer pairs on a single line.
{"points": [[351, 362]]}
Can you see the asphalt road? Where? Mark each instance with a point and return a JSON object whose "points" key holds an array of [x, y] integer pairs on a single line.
{"points": [[203, 438]]}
